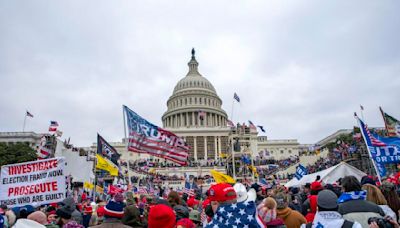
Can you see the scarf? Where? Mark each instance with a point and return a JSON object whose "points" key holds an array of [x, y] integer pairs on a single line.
{"points": [[356, 195]]}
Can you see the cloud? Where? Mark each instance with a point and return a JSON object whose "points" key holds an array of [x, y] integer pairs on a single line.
{"points": [[300, 68]]}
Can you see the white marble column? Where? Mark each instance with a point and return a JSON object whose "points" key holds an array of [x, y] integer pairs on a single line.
{"points": [[219, 146], [193, 119], [187, 118], [205, 148], [195, 147], [215, 148]]}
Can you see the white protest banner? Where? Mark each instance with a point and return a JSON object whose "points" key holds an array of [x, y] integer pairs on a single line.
{"points": [[33, 183]]}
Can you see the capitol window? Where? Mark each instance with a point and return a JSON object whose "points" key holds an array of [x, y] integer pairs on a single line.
{"points": [[290, 151], [281, 151]]}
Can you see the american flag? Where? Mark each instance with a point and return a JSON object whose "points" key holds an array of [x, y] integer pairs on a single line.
{"points": [[142, 190], [53, 126], [242, 214], [147, 138], [189, 192], [371, 140], [263, 183], [53, 123], [43, 152], [236, 97], [203, 217], [252, 126], [230, 123]]}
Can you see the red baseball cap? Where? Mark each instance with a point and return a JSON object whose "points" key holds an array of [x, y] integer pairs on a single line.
{"points": [[221, 192], [316, 185]]}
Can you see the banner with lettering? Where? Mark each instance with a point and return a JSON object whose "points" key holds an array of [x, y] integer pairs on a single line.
{"points": [[33, 183]]}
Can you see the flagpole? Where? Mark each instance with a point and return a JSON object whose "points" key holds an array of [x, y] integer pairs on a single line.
{"points": [[369, 151], [233, 103], [95, 179], [362, 113], [23, 127], [126, 145], [233, 160]]}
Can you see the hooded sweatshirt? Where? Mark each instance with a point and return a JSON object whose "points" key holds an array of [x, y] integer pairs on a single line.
{"points": [[291, 218], [329, 219], [75, 214]]}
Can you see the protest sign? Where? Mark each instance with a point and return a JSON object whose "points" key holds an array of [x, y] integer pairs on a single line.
{"points": [[33, 183]]}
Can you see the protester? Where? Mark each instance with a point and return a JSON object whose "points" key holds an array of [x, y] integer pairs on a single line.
{"points": [[375, 195], [228, 212], [41, 218], [87, 211], [161, 216], [131, 212], [113, 213], [221, 193], [305, 193], [69, 204], [291, 218], [353, 205], [185, 223], [327, 215], [389, 191], [195, 216], [181, 212], [65, 217], [258, 190], [27, 223], [174, 199], [310, 205], [268, 214]]}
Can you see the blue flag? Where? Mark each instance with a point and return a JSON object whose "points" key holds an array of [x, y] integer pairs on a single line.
{"points": [[300, 172], [383, 150]]}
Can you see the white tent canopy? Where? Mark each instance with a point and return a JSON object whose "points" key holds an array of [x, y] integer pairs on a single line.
{"points": [[328, 176]]}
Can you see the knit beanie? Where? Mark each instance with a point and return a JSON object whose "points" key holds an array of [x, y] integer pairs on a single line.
{"points": [[186, 223], [181, 212], [27, 223], [39, 217], [64, 212], [114, 209], [267, 210], [161, 216]]}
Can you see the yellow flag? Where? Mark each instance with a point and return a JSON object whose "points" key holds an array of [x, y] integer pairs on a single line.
{"points": [[99, 189], [253, 170], [222, 178], [105, 164], [88, 185]]}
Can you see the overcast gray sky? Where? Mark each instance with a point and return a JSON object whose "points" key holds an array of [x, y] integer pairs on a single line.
{"points": [[301, 68]]}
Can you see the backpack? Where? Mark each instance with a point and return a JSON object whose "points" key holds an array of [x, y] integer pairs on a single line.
{"points": [[346, 224]]}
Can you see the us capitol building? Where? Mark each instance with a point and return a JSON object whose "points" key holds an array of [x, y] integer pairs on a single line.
{"points": [[194, 112]]}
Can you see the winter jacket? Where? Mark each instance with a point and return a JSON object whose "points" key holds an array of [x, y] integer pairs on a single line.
{"points": [[113, 223], [388, 211], [312, 199], [132, 216], [291, 218], [329, 219], [75, 214], [360, 211]]}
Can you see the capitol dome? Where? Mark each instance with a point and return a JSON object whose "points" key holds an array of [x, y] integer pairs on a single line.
{"points": [[194, 102]]}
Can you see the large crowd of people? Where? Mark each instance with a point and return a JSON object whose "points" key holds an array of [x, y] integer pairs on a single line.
{"points": [[346, 203]]}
